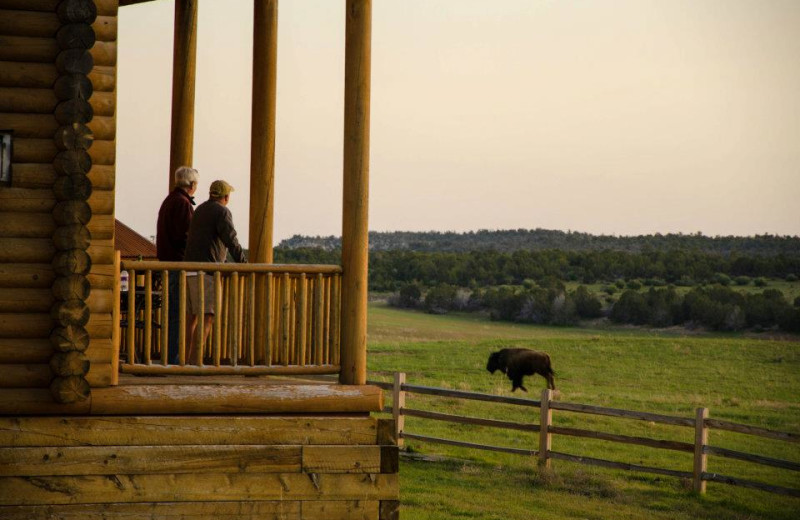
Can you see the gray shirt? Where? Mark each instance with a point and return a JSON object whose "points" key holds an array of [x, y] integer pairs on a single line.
{"points": [[212, 235]]}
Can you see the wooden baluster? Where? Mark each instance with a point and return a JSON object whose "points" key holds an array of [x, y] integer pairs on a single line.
{"points": [[336, 317], [545, 420], [216, 345], [165, 324], [251, 319], [234, 346], [301, 319], [318, 317], [200, 331], [326, 323], [226, 316], [285, 319], [148, 315], [115, 319], [259, 317], [131, 332], [182, 318], [270, 324]]}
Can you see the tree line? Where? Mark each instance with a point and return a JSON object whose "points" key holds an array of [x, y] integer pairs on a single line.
{"points": [[390, 270]]}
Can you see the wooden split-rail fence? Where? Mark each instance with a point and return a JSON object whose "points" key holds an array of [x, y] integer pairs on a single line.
{"points": [[701, 423]]}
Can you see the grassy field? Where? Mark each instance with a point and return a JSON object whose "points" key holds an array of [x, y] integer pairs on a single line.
{"points": [[744, 378]]}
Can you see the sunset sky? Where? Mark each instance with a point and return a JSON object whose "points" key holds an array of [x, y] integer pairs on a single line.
{"points": [[618, 117]]}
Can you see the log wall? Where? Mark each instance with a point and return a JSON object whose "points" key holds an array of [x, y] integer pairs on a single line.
{"points": [[58, 95], [313, 467]]}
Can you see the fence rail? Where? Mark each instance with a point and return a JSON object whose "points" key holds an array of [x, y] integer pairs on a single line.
{"points": [[700, 423], [267, 319]]}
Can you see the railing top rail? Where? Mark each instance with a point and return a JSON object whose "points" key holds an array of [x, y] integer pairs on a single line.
{"points": [[154, 265], [475, 396], [615, 412]]}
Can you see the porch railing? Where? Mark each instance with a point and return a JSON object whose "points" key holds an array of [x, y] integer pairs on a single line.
{"points": [[268, 319]]}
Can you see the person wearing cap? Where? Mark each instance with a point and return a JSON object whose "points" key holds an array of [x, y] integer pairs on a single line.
{"points": [[172, 230], [211, 237]]}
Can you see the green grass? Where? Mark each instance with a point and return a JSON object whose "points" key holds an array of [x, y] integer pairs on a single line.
{"points": [[742, 378]]}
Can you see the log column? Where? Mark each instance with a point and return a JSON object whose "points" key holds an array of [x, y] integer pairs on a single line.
{"points": [[262, 147], [183, 79], [72, 188], [355, 241]]}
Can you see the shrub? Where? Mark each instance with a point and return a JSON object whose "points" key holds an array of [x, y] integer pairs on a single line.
{"points": [[440, 299], [791, 277], [742, 280], [410, 295], [760, 282], [586, 304], [722, 279], [634, 285]]}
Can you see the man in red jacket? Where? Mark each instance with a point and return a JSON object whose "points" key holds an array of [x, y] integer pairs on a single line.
{"points": [[174, 218]]}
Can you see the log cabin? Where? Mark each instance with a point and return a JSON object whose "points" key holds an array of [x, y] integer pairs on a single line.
{"points": [[94, 419]]}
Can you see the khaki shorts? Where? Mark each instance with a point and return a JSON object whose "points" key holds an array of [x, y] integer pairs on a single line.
{"points": [[193, 305]]}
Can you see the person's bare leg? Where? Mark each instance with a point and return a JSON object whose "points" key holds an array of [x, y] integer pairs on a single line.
{"points": [[191, 327]]}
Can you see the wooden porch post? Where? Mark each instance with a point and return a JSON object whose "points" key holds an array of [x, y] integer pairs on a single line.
{"points": [[355, 240], [262, 144], [183, 75]]}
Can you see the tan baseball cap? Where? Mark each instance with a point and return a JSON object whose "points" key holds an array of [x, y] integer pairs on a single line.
{"points": [[220, 189]]}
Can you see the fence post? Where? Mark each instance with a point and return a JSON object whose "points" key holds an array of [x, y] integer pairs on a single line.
{"points": [[545, 419], [398, 403], [700, 441]]}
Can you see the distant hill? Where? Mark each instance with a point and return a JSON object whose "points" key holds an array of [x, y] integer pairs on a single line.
{"points": [[508, 241]]}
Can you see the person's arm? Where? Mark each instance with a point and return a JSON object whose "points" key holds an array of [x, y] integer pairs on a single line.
{"points": [[227, 234]]}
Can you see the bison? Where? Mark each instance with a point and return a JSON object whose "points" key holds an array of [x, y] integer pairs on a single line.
{"points": [[519, 362]]}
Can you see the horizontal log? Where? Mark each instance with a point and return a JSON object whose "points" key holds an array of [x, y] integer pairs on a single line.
{"points": [[103, 152], [73, 110], [507, 425], [139, 460], [26, 300], [75, 136], [72, 287], [273, 509], [25, 376], [101, 300], [27, 101], [103, 177], [27, 251], [749, 457], [44, 151], [71, 261], [30, 5], [38, 126], [26, 225], [232, 399], [100, 352], [102, 203], [104, 54], [752, 430], [341, 459], [103, 78], [99, 326], [65, 364], [70, 312], [105, 28], [24, 200], [71, 212], [72, 186], [37, 24], [26, 275], [102, 276], [472, 445], [103, 128], [33, 176], [25, 351], [102, 227], [28, 75], [185, 430], [75, 36], [36, 401], [77, 11], [618, 465], [71, 236], [624, 439], [140, 265], [195, 486], [29, 50], [69, 339], [715, 477], [72, 389], [104, 104], [614, 412], [107, 7]]}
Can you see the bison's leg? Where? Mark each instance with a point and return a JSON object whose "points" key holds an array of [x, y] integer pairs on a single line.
{"points": [[551, 383], [516, 381]]}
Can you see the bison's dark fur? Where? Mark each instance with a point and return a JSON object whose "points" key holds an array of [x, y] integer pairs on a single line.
{"points": [[519, 362]]}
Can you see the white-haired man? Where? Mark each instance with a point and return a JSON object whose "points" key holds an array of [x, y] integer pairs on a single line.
{"points": [[174, 218]]}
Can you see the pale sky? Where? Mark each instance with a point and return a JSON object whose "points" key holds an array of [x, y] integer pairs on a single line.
{"points": [[619, 117]]}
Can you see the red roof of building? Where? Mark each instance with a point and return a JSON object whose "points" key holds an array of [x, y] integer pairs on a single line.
{"points": [[131, 244]]}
